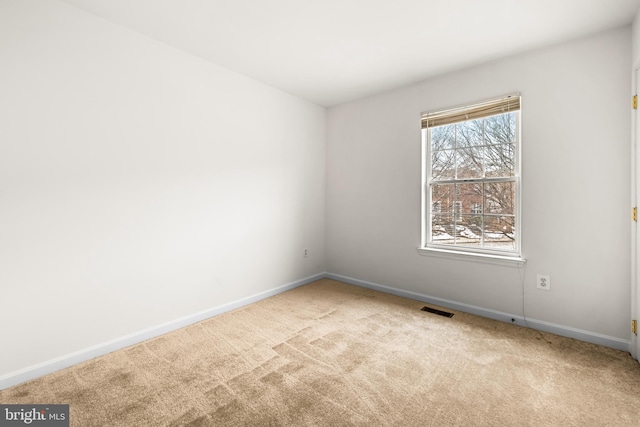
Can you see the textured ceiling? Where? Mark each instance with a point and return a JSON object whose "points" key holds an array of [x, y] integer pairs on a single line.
{"points": [[332, 51]]}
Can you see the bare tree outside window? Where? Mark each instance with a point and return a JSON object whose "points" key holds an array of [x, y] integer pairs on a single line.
{"points": [[472, 182]]}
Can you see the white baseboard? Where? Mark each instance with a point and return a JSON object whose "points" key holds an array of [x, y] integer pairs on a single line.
{"points": [[565, 331], [35, 371]]}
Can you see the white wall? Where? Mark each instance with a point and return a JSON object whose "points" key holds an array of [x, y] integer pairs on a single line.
{"points": [[139, 184], [576, 184]]}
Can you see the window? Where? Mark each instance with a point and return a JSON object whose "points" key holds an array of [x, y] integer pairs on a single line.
{"points": [[471, 179], [457, 210]]}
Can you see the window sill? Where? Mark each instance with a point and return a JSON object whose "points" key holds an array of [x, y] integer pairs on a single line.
{"points": [[510, 261]]}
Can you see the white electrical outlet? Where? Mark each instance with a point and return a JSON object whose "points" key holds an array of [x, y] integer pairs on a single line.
{"points": [[543, 282], [306, 253]]}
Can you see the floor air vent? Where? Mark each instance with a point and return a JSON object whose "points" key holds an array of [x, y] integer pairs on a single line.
{"points": [[436, 311]]}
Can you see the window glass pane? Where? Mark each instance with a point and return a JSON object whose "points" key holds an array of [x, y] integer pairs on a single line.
{"points": [[469, 230], [442, 197], [441, 226], [443, 164], [469, 196], [469, 162], [500, 160], [457, 210], [469, 133], [499, 232], [499, 198], [443, 137], [500, 129]]}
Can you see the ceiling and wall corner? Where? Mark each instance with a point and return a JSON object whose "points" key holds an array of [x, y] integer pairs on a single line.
{"points": [[334, 51]]}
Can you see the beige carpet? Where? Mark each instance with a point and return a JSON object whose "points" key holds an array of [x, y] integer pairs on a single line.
{"points": [[331, 354]]}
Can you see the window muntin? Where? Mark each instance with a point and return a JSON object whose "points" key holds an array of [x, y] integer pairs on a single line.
{"points": [[472, 177]]}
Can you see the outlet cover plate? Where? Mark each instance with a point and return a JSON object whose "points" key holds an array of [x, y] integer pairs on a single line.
{"points": [[543, 282]]}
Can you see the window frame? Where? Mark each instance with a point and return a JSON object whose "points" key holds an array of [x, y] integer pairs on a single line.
{"points": [[427, 245]]}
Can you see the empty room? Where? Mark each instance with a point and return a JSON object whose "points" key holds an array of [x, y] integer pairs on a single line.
{"points": [[243, 212]]}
